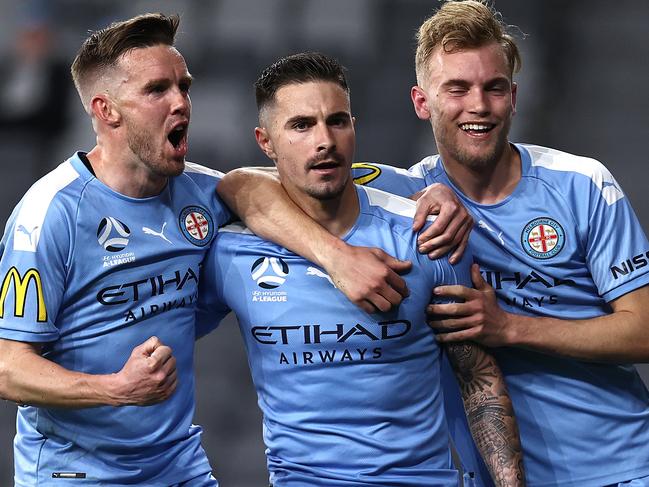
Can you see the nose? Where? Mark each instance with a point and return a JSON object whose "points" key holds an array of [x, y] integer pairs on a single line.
{"points": [[324, 138], [478, 102], [181, 103]]}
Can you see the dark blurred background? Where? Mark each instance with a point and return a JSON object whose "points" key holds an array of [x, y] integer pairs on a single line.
{"points": [[584, 88]]}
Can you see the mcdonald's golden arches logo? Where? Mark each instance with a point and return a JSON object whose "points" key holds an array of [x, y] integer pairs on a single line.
{"points": [[369, 172], [21, 285]]}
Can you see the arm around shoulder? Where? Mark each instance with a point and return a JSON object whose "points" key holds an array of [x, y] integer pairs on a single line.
{"points": [[367, 276]]}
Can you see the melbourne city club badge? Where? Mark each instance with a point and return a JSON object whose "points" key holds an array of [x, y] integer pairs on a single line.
{"points": [[543, 238]]}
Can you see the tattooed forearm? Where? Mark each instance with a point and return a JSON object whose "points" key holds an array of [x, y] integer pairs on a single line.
{"points": [[490, 413]]}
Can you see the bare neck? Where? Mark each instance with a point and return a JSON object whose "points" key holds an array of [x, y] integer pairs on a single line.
{"points": [[486, 184], [337, 215], [122, 174]]}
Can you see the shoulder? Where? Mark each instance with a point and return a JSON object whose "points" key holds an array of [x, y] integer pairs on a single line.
{"points": [[237, 236], [428, 167], [388, 178], [564, 170], [396, 211], [199, 182], [51, 201], [202, 175], [389, 205]]}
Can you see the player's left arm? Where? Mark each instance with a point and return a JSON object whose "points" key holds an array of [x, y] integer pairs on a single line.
{"points": [[367, 276], [489, 412], [621, 336]]}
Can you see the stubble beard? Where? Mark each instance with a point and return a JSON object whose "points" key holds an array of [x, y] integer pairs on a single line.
{"points": [[325, 192], [140, 143], [488, 157]]}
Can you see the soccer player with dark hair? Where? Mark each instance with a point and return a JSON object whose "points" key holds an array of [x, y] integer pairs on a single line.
{"points": [[99, 267], [349, 397]]}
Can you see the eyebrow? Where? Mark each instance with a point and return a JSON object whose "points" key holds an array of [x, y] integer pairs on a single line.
{"points": [[184, 79], [310, 119], [342, 113], [464, 82], [299, 118]]}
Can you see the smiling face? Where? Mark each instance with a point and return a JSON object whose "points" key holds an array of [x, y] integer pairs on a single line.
{"points": [[309, 133], [470, 99], [151, 97]]}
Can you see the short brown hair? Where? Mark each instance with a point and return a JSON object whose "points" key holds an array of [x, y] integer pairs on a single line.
{"points": [[461, 24], [103, 48]]}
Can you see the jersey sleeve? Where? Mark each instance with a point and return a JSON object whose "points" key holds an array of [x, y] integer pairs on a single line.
{"points": [[211, 307], [443, 273], [617, 251], [391, 179], [33, 269]]}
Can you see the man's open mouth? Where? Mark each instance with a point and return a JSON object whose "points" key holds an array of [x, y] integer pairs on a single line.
{"points": [[178, 134]]}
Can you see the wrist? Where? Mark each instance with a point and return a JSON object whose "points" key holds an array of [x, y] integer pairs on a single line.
{"points": [[111, 388], [329, 251], [513, 331]]}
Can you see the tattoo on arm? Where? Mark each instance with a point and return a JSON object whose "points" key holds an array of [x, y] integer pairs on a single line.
{"points": [[489, 411]]}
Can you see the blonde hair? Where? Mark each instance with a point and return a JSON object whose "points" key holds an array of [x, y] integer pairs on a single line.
{"points": [[462, 24]]}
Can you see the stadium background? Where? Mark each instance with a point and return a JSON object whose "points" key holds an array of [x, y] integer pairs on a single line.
{"points": [[583, 89]]}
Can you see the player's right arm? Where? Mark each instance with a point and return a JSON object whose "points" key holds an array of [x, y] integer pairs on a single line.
{"points": [[367, 276], [489, 412], [148, 377], [34, 253]]}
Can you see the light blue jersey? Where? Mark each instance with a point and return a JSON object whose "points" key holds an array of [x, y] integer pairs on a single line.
{"points": [[349, 398], [90, 274], [564, 244]]}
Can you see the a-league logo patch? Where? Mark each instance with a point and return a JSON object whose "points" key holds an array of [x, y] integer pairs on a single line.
{"points": [[113, 234], [269, 272], [196, 225], [543, 238]]}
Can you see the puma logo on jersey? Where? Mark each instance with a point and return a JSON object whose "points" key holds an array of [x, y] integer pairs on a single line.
{"points": [[313, 271], [160, 234], [482, 224], [29, 233]]}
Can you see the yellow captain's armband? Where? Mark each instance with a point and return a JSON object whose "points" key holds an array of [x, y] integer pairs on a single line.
{"points": [[370, 172]]}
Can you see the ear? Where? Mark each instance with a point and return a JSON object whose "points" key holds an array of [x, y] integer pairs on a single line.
{"points": [[265, 143], [104, 110], [420, 102], [514, 92]]}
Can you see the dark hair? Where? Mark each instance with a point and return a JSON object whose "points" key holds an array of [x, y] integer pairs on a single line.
{"points": [[103, 47], [298, 68]]}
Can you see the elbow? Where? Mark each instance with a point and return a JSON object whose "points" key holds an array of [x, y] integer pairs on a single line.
{"points": [[229, 184], [5, 380], [9, 390], [238, 179]]}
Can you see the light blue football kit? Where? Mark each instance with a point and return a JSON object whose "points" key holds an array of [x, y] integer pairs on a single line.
{"points": [[564, 244], [90, 274], [348, 398]]}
